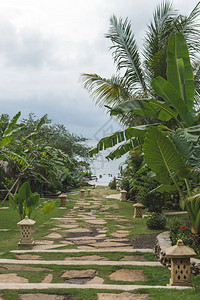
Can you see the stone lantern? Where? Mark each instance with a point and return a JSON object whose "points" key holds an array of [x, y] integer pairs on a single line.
{"points": [[82, 193], [180, 264], [26, 232], [117, 187], [123, 195], [138, 210], [88, 192], [63, 200]]}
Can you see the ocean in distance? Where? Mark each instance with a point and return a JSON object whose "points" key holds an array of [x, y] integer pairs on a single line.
{"points": [[107, 169]]}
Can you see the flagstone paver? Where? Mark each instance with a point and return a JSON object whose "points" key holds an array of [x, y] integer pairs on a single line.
{"points": [[53, 235], [40, 296], [29, 256], [121, 296], [79, 273], [48, 278], [12, 278], [128, 275], [22, 268], [133, 258], [96, 280], [86, 258]]}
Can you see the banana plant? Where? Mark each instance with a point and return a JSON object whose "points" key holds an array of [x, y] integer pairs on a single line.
{"points": [[175, 100], [170, 159], [172, 153]]}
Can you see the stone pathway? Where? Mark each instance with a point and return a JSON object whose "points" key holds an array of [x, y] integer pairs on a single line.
{"points": [[83, 229]]}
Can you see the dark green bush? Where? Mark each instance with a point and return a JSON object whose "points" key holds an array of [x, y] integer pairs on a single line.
{"points": [[156, 221]]}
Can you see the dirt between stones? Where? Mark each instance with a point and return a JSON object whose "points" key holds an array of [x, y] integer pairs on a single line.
{"points": [[145, 241]]}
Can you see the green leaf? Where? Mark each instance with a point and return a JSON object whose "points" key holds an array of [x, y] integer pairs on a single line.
{"points": [[33, 200], [161, 156], [146, 108], [179, 69], [165, 89], [48, 208], [164, 188], [12, 123], [5, 141], [120, 136], [124, 148], [24, 192]]}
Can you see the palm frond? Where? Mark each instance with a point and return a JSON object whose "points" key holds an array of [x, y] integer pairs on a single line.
{"points": [[125, 52], [156, 38], [189, 26], [105, 91]]}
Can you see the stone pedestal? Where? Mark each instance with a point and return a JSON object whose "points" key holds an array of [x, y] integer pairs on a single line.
{"points": [[123, 195], [138, 210], [26, 226], [62, 198], [82, 193], [180, 264]]}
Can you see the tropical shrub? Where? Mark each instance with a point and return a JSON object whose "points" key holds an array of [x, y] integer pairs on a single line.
{"points": [[156, 221], [25, 202], [178, 230]]}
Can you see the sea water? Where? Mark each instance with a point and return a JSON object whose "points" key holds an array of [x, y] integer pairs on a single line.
{"points": [[106, 170]]}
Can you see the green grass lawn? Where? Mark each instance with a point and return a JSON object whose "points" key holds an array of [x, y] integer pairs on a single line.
{"points": [[137, 227]]}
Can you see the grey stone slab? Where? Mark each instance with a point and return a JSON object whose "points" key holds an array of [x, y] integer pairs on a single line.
{"points": [[119, 249], [82, 263], [44, 286]]}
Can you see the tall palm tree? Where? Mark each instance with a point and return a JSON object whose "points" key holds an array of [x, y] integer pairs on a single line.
{"points": [[141, 67]]}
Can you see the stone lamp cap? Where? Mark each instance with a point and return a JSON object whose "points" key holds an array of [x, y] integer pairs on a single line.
{"points": [[180, 250], [82, 190], [138, 205], [62, 196], [123, 191], [26, 221]]}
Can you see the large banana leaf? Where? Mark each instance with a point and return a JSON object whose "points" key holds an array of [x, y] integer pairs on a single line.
{"points": [[146, 108], [161, 156], [179, 69], [11, 124], [120, 136], [124, 148], [165, 89]]}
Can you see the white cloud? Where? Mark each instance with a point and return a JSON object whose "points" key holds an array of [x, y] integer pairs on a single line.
{"points": [[45, 45]]}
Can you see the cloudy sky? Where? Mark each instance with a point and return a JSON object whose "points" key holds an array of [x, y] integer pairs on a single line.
{"points": [[46, 44]]}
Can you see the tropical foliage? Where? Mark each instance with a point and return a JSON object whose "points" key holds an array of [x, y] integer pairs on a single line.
{"points": [[44, 154], [170, 153], [25, 202], [140, 66]]}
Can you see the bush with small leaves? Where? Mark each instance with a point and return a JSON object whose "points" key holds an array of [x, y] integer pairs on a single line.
{"points": [[156, 221]]}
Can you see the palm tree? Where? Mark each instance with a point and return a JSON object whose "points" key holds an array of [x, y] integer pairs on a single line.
{"points": [[141, 67]]}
